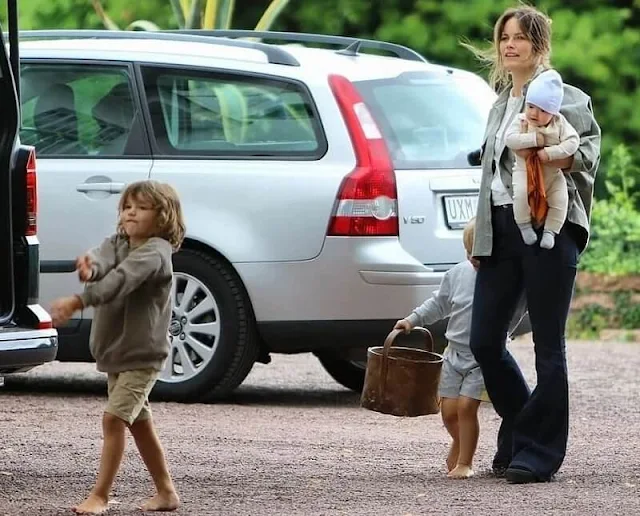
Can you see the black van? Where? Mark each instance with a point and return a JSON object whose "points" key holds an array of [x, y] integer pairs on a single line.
{"points": [[27, 337]]}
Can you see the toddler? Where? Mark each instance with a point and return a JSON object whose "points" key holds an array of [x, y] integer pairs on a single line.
{"points": [[461, 384]]}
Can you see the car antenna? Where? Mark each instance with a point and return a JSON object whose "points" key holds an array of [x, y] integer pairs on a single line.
{"points": [[351, 50]]}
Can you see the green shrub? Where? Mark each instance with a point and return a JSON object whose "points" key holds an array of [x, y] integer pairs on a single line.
{"points": [[588, 322], [614, 247]]}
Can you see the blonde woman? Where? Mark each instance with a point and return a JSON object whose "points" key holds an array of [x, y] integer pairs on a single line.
{"points": [[532, 439]]}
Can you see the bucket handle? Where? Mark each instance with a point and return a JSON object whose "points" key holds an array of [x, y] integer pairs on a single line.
{"points": [[388, 342]]}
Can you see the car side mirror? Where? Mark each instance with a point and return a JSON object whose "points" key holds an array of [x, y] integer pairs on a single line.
{"points": [[474, 158]]}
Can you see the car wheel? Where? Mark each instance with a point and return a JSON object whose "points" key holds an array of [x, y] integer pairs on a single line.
{"points": [[212, 331], [349, 373]]}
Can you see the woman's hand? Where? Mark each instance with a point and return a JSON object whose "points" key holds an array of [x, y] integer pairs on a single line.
{"points": [[63, 308], [84, 266], [403, 325]]}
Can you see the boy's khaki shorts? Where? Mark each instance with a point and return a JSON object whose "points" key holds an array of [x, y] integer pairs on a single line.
{"points": [[128, 394]]}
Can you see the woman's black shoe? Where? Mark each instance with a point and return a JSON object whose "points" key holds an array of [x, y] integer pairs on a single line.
{"points": [[499, 471], [519, 475]]}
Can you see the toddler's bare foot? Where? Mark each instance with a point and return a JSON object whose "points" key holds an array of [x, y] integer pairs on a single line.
{"points": [[452, 457], [92, 505], [162, 502], [461, 471]]}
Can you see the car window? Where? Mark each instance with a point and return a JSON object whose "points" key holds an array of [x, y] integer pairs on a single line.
{"points": [[430, 120], [80, 110], [229, 115]]}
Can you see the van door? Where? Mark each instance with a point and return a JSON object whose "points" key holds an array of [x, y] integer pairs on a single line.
{"points": [[8, 131], [84, 120]]}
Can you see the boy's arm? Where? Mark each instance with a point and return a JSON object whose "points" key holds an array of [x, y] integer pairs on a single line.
{"points": [[517, 140], [120, 281], [103, 257], [569, 142], [436, 307]]}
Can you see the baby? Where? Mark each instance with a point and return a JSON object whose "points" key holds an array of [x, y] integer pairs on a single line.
{"points": [[542, 126]]}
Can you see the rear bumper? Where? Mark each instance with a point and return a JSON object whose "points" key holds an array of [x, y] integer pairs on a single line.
{"points": [[348, 296], [23, 348]]}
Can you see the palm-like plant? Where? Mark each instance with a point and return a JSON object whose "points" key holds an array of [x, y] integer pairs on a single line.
{"points": [[197, 14]]}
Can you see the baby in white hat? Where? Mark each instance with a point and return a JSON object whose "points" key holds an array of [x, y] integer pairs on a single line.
{"points": [[542, 126]]}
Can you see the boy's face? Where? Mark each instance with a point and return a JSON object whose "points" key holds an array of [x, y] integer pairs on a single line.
{"points": [[536, 116], [138, 218]]}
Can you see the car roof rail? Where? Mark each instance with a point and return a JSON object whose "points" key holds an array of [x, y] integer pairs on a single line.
{"points": [[350, 45], [274, 54]]}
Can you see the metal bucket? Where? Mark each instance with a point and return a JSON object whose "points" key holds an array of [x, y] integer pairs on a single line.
{"points": [[402, 381]]}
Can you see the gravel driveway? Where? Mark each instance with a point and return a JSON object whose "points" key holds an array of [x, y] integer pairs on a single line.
{"points": [[293, 442]]}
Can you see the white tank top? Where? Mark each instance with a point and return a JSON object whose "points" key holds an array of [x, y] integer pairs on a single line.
{"points": [[499, 194]]}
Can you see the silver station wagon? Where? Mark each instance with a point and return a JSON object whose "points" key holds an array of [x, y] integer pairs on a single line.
{"points": [[324, 186]]}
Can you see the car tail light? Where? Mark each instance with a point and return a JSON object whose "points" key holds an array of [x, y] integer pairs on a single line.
{"points": [[40, 316], [32, 195], [367, 203]]}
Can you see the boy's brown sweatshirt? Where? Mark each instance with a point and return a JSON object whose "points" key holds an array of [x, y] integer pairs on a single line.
{"points": [[130, 289]]}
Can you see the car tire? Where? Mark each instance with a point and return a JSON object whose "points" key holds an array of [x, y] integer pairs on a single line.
{"points": [[348, 373], [212, 331]]}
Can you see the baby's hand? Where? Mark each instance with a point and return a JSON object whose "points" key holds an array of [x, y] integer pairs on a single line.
{"points": [[543, 156], [524, 126], [84, 266], [403, 325], [63, 308]]}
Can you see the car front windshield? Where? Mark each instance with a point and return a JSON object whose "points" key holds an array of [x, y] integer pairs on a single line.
{"points": [[430, 119]]}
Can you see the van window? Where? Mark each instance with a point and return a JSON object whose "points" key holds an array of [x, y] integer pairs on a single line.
{"points": [[76, 110], [195, 113], [430, 119]]}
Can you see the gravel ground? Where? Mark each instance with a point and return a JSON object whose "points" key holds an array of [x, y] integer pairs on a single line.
{"points": [[293, 442]]}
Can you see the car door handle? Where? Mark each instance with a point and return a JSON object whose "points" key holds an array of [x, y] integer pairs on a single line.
{"points": [[100, 187]]}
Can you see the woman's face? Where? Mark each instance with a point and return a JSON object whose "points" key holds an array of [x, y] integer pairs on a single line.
{"points": [[515, 49]]}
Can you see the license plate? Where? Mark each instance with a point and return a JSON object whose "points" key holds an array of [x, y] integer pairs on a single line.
{"points": [[459, 209]]}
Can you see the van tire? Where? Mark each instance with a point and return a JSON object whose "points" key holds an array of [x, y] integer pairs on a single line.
{"points": [[348, 373], [236, 348]]}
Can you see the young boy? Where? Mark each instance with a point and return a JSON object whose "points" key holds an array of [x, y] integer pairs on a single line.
{"points": [[461, 384], [130, 277], [542, 125]]}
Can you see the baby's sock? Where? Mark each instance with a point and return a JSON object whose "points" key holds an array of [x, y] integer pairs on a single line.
{"points": [[548, 239], [528, 234]]}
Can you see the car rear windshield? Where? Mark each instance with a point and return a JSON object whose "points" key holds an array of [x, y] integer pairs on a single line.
{"points": [[430, 119]]}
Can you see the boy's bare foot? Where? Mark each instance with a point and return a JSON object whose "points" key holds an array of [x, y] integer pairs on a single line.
{"points": [[452, 457], [461, 471], [162, 502], [92, 505]]}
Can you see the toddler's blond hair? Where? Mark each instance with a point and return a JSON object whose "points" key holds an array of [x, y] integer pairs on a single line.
{"points": [[467, 235]]}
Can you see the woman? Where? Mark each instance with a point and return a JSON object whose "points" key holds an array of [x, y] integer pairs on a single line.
{"points": [[532, 438]]}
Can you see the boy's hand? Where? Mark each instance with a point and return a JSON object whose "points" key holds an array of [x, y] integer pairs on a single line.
{"points": [[403, 325], [540, 139], [84, 266], [63, 308], [543, 156]]}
